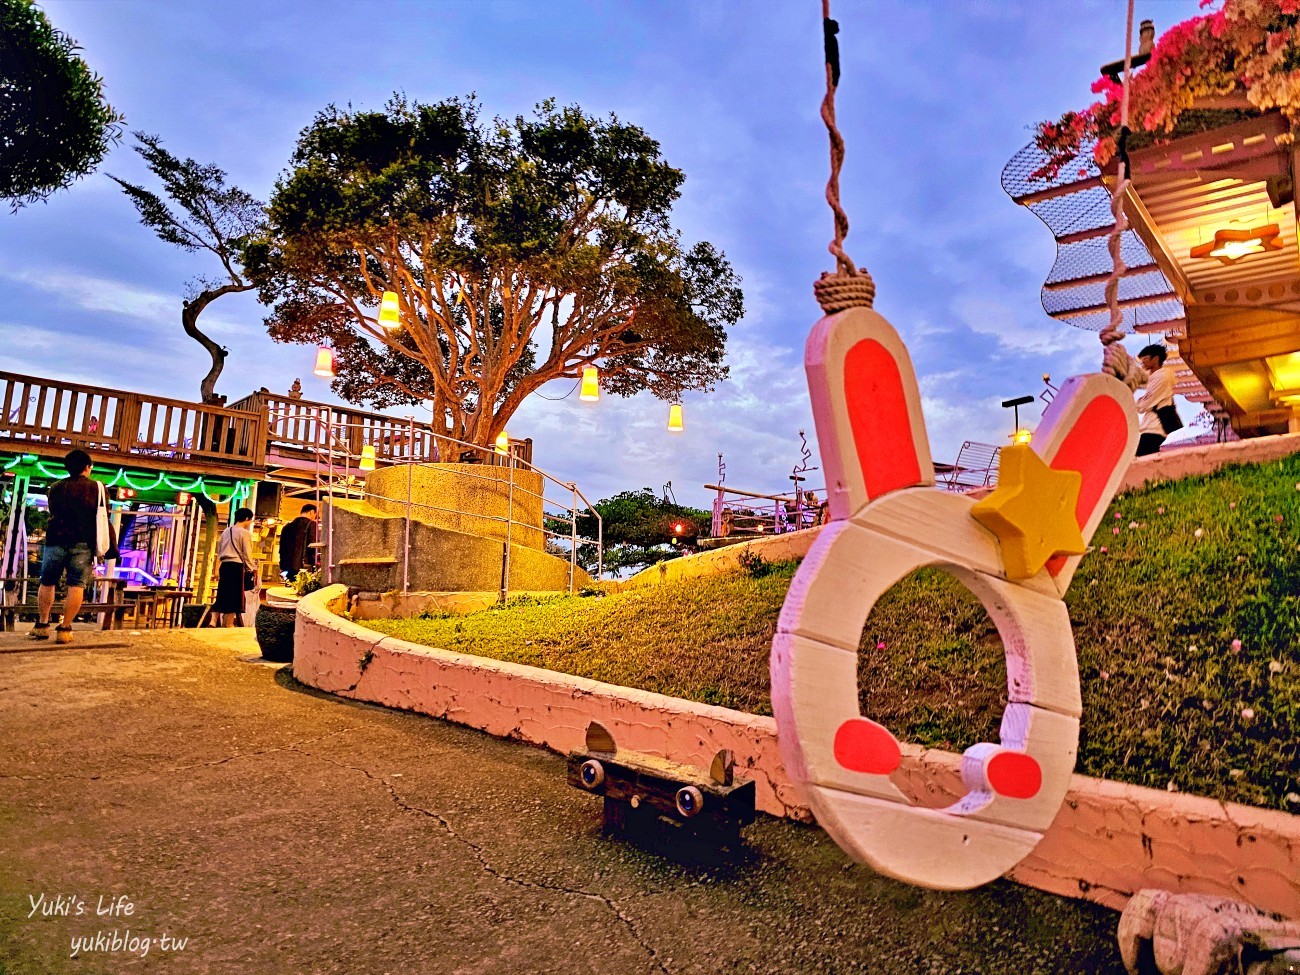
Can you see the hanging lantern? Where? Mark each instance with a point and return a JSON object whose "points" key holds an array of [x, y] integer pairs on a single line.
{"points": [[590, 384], [503, 443], [324, 362], [388, 316], [367, 458], [675, 423]]}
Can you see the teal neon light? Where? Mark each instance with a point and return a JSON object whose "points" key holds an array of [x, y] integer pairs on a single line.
{"points": [[217, 494]]}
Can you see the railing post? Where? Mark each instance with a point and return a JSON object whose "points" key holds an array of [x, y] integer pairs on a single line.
{"points": [[573, 536], [406, 546], [126, 423], [510, 520]]}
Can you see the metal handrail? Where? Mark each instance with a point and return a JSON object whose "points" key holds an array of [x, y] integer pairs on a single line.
{"points": [[336, 447]]}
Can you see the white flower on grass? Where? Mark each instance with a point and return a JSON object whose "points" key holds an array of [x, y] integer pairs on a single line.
{"points": [[1275, 666], [1198, 533]]}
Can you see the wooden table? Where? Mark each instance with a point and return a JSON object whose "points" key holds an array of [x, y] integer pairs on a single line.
{"points": [[158, 605]]}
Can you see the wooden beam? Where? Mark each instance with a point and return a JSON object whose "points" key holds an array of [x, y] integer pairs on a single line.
{"points": [[1099, 278], [1124, 303], [1067, 189], [1144, 225]]}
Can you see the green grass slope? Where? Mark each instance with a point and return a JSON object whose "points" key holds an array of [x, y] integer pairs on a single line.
{"points": [[1186, 618]]}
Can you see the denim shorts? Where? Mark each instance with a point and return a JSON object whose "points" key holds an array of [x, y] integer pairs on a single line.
{"points": [[76, 560]]}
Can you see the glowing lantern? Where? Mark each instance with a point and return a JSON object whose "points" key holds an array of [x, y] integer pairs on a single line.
{"points": [[590, 384], [324, 362], [388, 316], [503, 443], [675, 423], [367, 458], [1022, 436]]}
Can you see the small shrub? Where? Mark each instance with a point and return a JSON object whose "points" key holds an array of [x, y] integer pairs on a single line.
{"points": [[306, 582]]}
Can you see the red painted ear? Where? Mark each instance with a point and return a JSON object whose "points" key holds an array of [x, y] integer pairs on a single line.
{"points": [[867, 408], [1090, 427]]}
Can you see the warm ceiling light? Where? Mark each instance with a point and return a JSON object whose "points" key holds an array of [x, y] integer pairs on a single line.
{"points": [[324, 362], [590, 384], [1230, 246], [367, 458], [675, 423], [388, 316], [503, 443]]}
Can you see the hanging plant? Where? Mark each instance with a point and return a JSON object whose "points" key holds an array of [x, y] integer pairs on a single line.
{"points": [[1249, 47]]}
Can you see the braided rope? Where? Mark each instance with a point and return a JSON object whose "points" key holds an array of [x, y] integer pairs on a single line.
{"points": [[1115, 358], [848, 287]]}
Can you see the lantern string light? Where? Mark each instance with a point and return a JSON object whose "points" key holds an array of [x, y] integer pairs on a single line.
{"points": [[590, 384], [389, 317], [675, 422], [324, 362]]}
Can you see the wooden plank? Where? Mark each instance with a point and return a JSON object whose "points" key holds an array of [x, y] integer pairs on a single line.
{"points": [[39, 418]]}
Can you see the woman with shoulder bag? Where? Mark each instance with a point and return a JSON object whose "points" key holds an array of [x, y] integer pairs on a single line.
{"points": [[1157, 417], [237, 565]]}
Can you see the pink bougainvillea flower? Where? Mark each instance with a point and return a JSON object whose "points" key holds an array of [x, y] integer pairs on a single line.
{"points": [[1236, 646], [1104, 550], [1248, 713], [880, 645], [1118, 515], [1105, 675], [1161, 511]]}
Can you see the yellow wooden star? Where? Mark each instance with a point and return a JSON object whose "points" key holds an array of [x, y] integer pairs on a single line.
{"points": [[1031, 511]]}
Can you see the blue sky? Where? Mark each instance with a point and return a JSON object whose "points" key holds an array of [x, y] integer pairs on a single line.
{"points": [[933, 101]]}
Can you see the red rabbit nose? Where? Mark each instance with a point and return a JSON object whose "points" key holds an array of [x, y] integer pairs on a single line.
{"points": [[861, 745]]}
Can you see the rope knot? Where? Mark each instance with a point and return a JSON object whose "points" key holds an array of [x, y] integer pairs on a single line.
{"points": [[837, 292]]}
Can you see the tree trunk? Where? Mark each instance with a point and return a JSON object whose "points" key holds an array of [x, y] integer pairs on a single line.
{"points": [[190, 312]]}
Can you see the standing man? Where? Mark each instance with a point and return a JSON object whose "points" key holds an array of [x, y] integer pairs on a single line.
{"points": [[237, 562], [69, 545], [295, 543], [1159, 393]]}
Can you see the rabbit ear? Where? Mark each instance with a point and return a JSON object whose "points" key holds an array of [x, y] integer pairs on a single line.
{"points": [[1090, 427], [867, 408]]}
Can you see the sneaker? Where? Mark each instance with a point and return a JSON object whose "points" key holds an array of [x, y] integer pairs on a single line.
{"points": [[63, 634], [40, 631]]}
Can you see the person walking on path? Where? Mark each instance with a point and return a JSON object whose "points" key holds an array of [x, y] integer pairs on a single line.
{"points": [[69, 545], [295, 543], [236, 563], [1159, 393]]}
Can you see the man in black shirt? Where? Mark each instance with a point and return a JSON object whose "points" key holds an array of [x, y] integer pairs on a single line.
{"points": [[295, 543], [69, 545]]}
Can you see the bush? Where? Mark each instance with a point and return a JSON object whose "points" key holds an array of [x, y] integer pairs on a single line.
{"points": [[190, 615], [274, 629]]}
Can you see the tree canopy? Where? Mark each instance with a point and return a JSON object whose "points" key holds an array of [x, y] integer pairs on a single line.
{"points": [[55, 125], [640, 528], [521, 251], [212, 216]]}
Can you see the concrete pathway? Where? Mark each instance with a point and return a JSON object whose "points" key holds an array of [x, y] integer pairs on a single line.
{"points": [[186, 791]]}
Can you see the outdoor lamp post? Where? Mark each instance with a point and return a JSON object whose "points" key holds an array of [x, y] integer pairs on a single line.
{"points": [[1018, 434]]}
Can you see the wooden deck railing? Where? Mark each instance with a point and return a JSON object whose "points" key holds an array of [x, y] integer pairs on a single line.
{"points": [[304, 425], [47, 412]]}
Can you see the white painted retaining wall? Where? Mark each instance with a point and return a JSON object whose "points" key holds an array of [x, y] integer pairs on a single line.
{"points": [[1108, 841]]}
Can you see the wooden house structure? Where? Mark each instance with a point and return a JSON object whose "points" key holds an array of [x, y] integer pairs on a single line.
{"points": [[1213, 266]]}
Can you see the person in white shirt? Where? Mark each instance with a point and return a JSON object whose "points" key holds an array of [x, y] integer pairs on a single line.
{"points": [[1159, 392], [236, 559]]}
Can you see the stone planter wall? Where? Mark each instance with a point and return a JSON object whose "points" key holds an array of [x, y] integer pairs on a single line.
{"points": [[1108, 841]]}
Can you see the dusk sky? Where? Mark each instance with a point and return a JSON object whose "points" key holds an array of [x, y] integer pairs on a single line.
{"points": [[935, 98]]}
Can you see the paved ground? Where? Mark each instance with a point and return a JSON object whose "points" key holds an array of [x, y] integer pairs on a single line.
{"points": [[276, 830]]}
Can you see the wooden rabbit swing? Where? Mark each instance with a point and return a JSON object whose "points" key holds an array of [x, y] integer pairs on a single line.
{"points": [[1015, 549]]}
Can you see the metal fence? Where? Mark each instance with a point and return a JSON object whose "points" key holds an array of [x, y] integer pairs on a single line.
{"points": [[339, 446]]}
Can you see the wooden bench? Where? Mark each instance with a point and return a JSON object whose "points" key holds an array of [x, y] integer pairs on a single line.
{"points": [[643, 791], [112, 612]]}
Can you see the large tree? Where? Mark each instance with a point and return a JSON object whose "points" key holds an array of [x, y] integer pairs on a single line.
{"points": [[55, 125], [211, 216], [520, 250]]}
